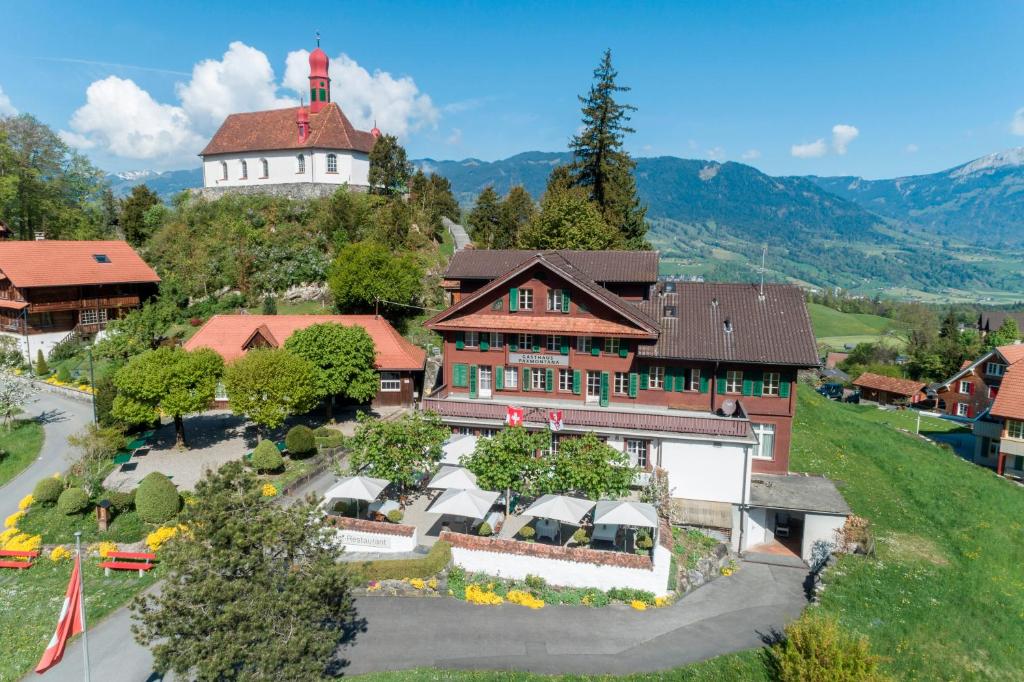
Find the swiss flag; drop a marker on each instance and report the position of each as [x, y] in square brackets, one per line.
[69, 623]
[514, 416]
[555, 420]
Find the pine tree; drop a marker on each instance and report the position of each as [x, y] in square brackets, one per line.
[601, 165]
[484, 220]
[133, 214]
[517, 210]
[389, 166]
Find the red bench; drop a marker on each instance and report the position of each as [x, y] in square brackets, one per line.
[18, 555]
[128, 561]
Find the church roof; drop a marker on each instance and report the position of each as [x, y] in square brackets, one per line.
[276, 129]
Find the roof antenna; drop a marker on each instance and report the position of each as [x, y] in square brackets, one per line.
[318, 38]
[764, 253]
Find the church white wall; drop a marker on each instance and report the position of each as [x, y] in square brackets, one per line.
[353, 168]
[701, 471]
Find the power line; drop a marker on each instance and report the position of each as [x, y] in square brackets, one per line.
[406, 305]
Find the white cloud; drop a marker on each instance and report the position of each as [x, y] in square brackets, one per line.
[911, 148]
[395, 104]
[809, 150]
[842, 136]
[715, 153]
[6, 108]
[121, 118]
[1017, 125]
[751, 154]
[455, 137]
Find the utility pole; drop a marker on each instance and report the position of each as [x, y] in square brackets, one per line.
[92, 384]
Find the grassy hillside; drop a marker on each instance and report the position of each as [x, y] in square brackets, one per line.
[830, 322]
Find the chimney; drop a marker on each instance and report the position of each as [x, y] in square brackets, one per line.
[302, 121]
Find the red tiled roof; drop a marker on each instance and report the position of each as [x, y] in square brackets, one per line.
[50, 263]
[1009, 402]
[601, 266]
[12, 305]
[834, 358]
[583, 326]
[227, 334]
[907, 387]
[597, 418]
[1013, 352]
[277, 129]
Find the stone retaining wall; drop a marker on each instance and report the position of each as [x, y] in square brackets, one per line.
[288, 190]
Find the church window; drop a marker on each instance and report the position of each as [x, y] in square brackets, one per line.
[323, 95]
[332, 163]
[224, 170]
[301, 163]
[265, 168]
[245, 170]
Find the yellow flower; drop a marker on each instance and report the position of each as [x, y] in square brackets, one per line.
[638, 605]
[727, 571]
[477, 595]
[6, 536]
[26, 502]
[662, 601]
[60, 553]
[268, 490]
[157, 538]
[12, 520]
[105, 548]
[523, 598]
[21, 542]
[417, 583]
[432, 583]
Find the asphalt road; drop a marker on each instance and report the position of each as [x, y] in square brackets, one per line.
[60, 417]
[727, 615]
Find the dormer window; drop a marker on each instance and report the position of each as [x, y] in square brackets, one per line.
[669, 311]
[101, 257]
[670, 287]
[727, 325]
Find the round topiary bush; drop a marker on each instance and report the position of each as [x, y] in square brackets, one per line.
[47, 491]
[120, 501]
[265, 457]
[396, 516]
[580, 537]
[72, 501]
[527, 532]
[157, 499]
[300, 441]
[485, 530]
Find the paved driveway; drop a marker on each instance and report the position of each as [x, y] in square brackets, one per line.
[725, 616]
[60, 417]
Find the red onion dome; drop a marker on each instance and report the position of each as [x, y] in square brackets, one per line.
[318, 63]
[375, 132]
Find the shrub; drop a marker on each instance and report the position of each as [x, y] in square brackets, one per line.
[157, 538]
[266, 457]
[439, 556]
[326, 432]
[300, 440]
[485, 530]
[395, 516]
[157, 499]
[42, 368]
[120, 501]
[627, 595]
[580, 537]
[47, 491]
[815, 647]
[72, 501]
[63, 375]
[535, 582]
[527, 532]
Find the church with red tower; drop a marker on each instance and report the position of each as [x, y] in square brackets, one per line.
[299, 151]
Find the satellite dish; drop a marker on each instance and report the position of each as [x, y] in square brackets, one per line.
[729, 408]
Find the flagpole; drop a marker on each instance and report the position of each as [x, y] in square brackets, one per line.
[81, 592]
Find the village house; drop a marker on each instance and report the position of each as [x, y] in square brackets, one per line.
[53, 290]
[695, 379]
[399, 362]
[991, 321]
[1009, 408]
[890, 390]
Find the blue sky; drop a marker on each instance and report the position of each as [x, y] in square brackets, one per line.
[916, 87]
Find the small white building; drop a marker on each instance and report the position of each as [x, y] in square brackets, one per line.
[314, 147]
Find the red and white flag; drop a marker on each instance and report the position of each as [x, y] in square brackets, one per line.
[68, 624]
[514, 416]
[555, 419]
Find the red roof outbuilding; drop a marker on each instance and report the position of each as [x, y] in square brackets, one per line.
[53, 263]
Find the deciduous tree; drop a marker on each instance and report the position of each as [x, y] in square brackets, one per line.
[508, 461]
[366, 272]
[389, 166]
[397, 449]
[15, 394]
[96, 447]
[484, 221]
[590, 468]
[344, 359]
[133, 214]
[568, 220]
[252, 591]
[517, 210]
[268, 385]
[1007, 333]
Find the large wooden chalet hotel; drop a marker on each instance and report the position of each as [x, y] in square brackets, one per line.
[695, 378]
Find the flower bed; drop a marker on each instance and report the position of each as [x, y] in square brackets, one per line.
[430, 566]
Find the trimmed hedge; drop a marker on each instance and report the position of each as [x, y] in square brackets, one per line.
[327, 437]
[47, 491]
[120, 501]
[157, 499]
[436, 560]
[266, 457]
[72, 501]
[300, 441]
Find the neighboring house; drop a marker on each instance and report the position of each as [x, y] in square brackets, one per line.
[696, 379]
[1009, 407]
[890, 390]
[991, 321]
[400, 362]
[53, 290]
[300, 150]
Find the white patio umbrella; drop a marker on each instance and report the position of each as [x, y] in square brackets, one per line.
[473, 503]
[453, 477]
[561, 508]
[626, 513]
[457, 446]
[356, 488]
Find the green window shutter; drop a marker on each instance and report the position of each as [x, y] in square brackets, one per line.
[748, 387]
[783, 388]
[759, 384]
[549, 380]
[536, 346]
[472, 381]
[484, 344]
[682, 377]
[720, 389]
[595, 349]
[704, 384]
[460, 340]
[499, 377]
[513, 347]
[645, 378]
[623, 351]
[565, 300]
[565, 345]
[323, 95]
[459, 378]
[604, 389]
[526, 379]
[670, 376]
[576, 381]
[513, 300]
[634, 380]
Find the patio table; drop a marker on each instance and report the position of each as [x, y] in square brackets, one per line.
[136, 444]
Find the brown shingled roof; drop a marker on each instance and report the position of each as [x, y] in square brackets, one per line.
[907, 387]
[277, 129]
[600, 266]
[50, 263]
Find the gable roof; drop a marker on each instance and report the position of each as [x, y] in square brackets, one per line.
[991, 321]
[907, 387]
[600, 266]
[1010, 353]
[1009, 402]
[276, 129]
[49, 263]
[773, 329]
[229, 334]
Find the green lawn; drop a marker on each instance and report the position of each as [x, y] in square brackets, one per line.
[19, 447]
[30, 601]
[830, 322]
[57, 528]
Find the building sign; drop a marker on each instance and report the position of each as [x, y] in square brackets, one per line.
[538, 359]
[363, 539]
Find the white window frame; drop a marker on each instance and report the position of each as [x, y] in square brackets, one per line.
[332, 163]
[593, 383]
[584, 344]
[771, 383]
[964, 387]
[639, 450]
[554, 300]
[694, 384]
[734, 381]
[962, 409]
[511, 377]
[553, 343]
[265, 168]
[1015, 429]
[995, 369]
[761, 430]
[485, 380]
[92, 316]
[525, 342]
[390, 382]
[526, 299]
[538, 376]
[300, 164]
[656, 376]
[497, 340]
[993, 447]
[612, 344]
[621, 383]
[220, 393]
[565, 380]
[245, 171]
[471, 339]
[223, 170]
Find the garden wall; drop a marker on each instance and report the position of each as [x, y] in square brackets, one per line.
[561, 566]
[360, 535]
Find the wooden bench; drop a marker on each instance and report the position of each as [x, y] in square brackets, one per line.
[128, 561]
[19, 558]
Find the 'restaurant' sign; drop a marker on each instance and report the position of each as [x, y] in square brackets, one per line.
[538, 359]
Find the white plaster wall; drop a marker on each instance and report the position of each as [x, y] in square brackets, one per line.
[757, 528]
[819, 528]
[362, 541]
[568, 573]
[700, 471]
[353, 168]
[45, 341]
